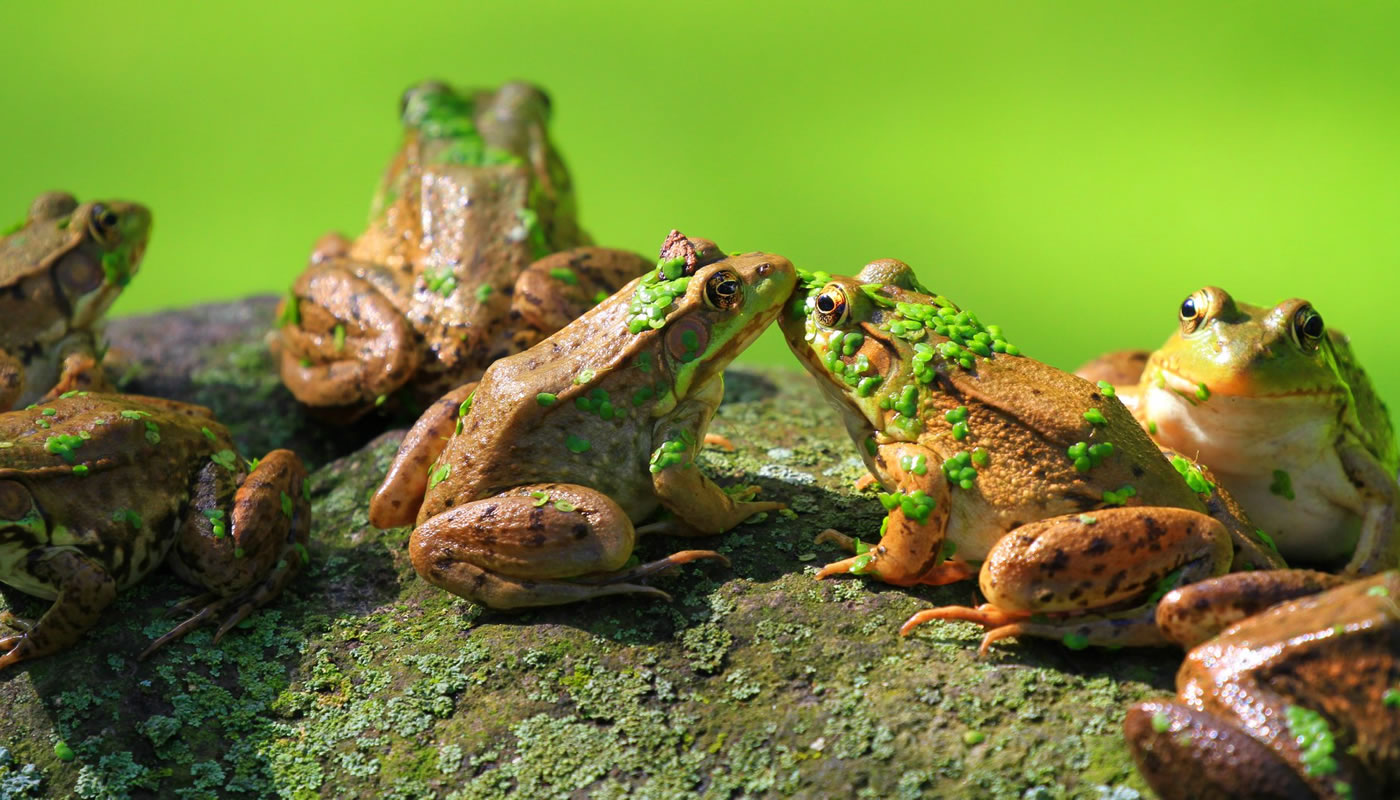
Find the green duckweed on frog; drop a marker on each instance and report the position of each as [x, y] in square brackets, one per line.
[97, 490]
[995, 464]
[525, 487]
[1276, 403]
[60, 270]
[458, 266]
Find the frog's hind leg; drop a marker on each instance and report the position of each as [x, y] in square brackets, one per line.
[243, 543]
[84, 589]
[536, 545]
[397, 500]
[546, 302]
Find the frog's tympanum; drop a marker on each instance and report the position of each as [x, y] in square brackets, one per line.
[993, 461]
[531, 480]
[60, 270]
[455, 269]
[97, 490]
[1274, 402]
[1300, 701]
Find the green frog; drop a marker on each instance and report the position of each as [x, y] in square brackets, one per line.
[97, 490]
[995, 464]
[526, 487]
[60, 270]
[1275, 402]
[458, 266]
[1299, 701]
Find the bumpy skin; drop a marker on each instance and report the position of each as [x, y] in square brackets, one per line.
[97, 490]
[1300, 701]
[451, 273]
[526, 486]
[60, 270]
[975, 446]
[1278, 407]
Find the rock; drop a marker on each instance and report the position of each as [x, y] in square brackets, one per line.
[365, 681]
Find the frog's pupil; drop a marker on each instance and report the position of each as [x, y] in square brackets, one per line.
[825, 304]
[728, 288]
[1312, 325]
[1188, 308]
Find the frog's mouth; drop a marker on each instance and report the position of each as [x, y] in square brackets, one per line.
[1195, 392]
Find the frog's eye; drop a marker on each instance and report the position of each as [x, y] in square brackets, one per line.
[832, 307]
[1308, 329]
[723, 290]
[103, 221]
[14, 500]
[1193, 311]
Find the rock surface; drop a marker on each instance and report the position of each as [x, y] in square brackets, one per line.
[364, 681]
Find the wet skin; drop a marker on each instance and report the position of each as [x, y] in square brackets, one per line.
[60, 270]
[97, 490]
[526, 487]
[994, 464]
[1300, 701]
[1277, 405]
[458, 266]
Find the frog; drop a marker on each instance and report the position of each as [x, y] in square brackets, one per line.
[995, 465]
[60, 270]
[529, 488]
[1275, 401]
[97, 490]
[1300, 700]
[473, 252]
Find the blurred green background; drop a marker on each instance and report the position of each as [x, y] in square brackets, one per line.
[1070, 170]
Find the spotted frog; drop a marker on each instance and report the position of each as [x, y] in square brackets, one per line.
[1299, 701]
[526, 487]
[458, 266]
[60, 270]
[1278, 406]
[995, 464]
[96, 490]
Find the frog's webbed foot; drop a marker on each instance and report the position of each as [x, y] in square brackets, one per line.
[85, 589]
[398, 498]
[13, 622]
[722, 442]
[1185, 754]
[343, 343]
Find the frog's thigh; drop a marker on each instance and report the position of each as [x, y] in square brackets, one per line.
[1186, 754]
[84, 589]
[512, 550]
[397, 500]
[1122, 368]
[1378, 547]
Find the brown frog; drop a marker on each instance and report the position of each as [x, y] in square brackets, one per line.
[97, 490]
[60, 270]
[458, 266]
[1299, 701]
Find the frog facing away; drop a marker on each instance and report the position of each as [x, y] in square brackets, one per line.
[1276, 404]
[1300, 701]
[455, 269]
[60, 270]
[97, 490]
[525, 487]
[995, 464]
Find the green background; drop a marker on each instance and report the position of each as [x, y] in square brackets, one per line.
[1069, 170]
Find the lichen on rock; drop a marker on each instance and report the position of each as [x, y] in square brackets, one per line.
[363, 680]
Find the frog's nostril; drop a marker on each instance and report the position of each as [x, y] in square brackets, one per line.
[764, 269]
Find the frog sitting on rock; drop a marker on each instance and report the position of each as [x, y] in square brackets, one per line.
[996, 464]
[525, 487]
[455, 269]
[60, 270]
[97, 490]
[1276, 403]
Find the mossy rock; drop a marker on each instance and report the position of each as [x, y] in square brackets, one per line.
[364, 681]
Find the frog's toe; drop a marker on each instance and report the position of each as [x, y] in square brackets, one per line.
[722, 442]
[14, 649]
[842, 567]
[986, 615]
[205, 614]
[655, 567]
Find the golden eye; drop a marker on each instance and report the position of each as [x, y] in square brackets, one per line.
[723, 290]
[1193, 311]
[1308, 329]
[831, 306]
[103, 223]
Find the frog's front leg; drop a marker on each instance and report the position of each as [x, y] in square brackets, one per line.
[11, 380]
[1378, 546]
[912, 547]
[243, 543]
[343, 343]
[697, 502]
[1186, 754]
[81, 370]
[535, 545]
[1091, 578]
[84, 589]
[398, 498]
